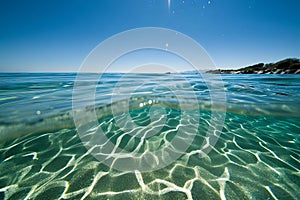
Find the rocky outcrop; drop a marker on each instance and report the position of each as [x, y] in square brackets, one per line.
[287, 66]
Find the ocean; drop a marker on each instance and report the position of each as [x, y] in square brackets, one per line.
[149, 136]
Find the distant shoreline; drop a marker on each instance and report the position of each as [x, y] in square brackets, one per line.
[287, 66]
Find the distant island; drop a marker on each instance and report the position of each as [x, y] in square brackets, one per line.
[287, 66]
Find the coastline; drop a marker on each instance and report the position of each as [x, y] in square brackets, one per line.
[286, 66]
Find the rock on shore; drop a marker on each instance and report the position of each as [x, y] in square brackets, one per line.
[287, 66]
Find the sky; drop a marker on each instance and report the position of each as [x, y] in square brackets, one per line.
[56, 36]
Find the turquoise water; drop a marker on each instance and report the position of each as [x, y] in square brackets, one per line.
[255, 157]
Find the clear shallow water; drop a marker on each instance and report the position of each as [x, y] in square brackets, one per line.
[255, 157]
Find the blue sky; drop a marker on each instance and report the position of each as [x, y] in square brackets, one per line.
[44, 36]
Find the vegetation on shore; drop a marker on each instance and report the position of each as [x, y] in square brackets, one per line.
[287, 66]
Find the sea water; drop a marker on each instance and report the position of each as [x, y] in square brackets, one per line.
[256, 154]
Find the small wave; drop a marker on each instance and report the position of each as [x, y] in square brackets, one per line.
[10, 130]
